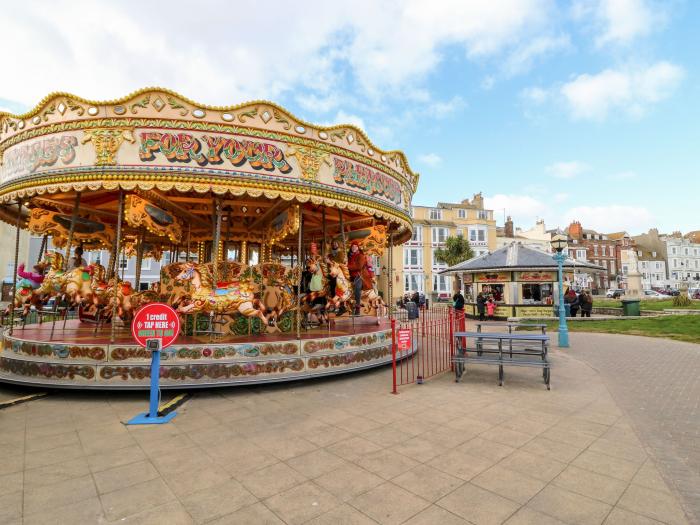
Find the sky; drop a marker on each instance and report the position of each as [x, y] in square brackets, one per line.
[583, 110]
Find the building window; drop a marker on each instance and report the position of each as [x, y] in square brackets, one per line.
[412, 257]
[658, 265]
[673, 251]
[460, 232]
[595, 250]
[413, 282]
[686, 251]
[439, 235]
[581, 254]
[537, 293]
[437, 264]
[435, 214]
[417, 234]
[462, 213]
[483, 214]
[441, 283]
[146, 263]
[612, 267]
[602, 251]
[123, 262]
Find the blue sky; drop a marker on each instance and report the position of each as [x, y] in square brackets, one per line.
[584, 110]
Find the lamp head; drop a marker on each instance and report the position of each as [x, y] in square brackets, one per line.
[559, 242]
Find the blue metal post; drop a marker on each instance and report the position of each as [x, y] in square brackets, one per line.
[155, 380]
[563, 329]
[151, 417]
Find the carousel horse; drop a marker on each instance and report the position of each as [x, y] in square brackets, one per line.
[77, 284]
[277, 290]
[235, 296]
[338, 301]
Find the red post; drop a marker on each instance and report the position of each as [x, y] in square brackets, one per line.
[393, 355]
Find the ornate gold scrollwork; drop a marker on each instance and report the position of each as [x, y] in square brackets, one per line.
[106, 142]
[310, 160]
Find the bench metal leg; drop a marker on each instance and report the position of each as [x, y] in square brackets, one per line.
[500, 375]
[546, 374]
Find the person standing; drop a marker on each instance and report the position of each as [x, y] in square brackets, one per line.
[481, 305]
[458, 302]
[491, 308]
[572, 300]
[586, 302]
[359, 274]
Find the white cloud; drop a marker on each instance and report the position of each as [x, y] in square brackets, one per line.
[566, 170]
[371, 49]
[611, 218]
[561, 197]
[523, 58]
[535, 95]
[431, 159]
[442, 109]
[628, 91]
[620, 22]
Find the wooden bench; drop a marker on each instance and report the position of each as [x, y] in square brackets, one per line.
[502, 349]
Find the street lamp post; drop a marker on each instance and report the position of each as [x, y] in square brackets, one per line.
[559, 242]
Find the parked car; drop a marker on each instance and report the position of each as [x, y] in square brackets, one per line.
[614, 293]
[694, 293]
[653, 294]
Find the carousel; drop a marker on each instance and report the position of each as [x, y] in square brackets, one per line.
[268, 230]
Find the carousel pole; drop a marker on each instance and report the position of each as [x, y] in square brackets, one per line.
[342, 233]
[117, 242]
[299, 241]
[139, 258]
[324, 250]
[42, 248]
[216, 240]
[73, 220]
[14, 273]
[187, 255]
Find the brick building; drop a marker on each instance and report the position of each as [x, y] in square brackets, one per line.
[599, 249]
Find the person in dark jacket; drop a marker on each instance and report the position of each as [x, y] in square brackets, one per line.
[572, 300]
[481, 306]
[458, 301]
[586, 302]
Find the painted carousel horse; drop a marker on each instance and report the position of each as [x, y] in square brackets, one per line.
[235, 296]
[338, 301]
[77, 284]
[277, 290]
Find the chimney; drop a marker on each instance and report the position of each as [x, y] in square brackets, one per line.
[509, 228]
[478, 201]
[575, 230]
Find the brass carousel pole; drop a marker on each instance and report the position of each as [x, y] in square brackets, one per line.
[324, 250]
[216, 241]
[73, 220]
[189, 232]
[117, 242]
[342, 234]
[14, 273]
[139, 258]
[42, 248]
[301, 273]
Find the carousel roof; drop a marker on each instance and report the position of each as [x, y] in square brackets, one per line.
[517, 257]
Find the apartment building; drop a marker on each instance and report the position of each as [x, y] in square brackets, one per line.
[415, 265]
[537, 237]
[596, 248]
[683, 259]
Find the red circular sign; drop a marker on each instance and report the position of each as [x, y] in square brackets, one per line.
[155, 321]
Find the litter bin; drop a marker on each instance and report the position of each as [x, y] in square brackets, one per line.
[567, 310]
[630, 308]
[412, 310]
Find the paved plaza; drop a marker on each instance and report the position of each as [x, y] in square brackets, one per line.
[345, 451]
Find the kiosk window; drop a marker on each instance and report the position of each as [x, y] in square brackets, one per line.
[494, 289]
[537, 292]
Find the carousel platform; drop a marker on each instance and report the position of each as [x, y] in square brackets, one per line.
[78, 356]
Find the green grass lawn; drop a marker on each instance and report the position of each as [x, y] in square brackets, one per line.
[647, 304]
[678, 327]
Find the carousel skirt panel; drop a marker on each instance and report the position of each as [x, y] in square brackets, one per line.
[76, 357]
